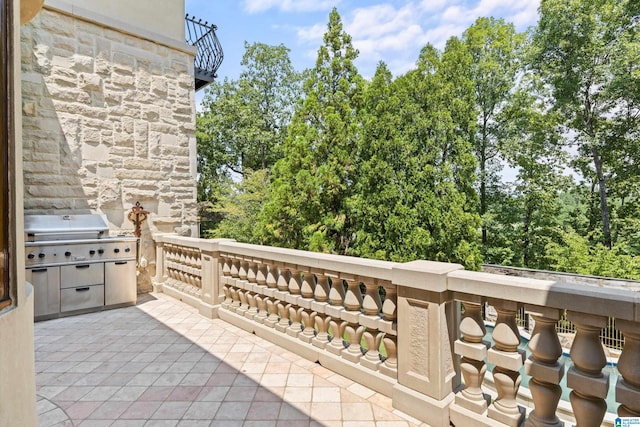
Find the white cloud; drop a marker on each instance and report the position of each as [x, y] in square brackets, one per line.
[256, 6]
[396, 34]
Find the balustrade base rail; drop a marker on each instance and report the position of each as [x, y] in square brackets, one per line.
[415, 331]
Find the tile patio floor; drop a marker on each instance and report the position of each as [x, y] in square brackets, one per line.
[162, 364]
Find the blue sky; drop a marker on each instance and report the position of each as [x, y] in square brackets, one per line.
[389, 31]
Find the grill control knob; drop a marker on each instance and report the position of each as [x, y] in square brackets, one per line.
[116, 250]
[41, 255]
[100, 251]
[127, 249]
[31, 256]
[92, 252]
[67, 253]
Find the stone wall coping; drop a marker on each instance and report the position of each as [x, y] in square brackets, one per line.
[309, 260]
[618, 303]
[102, 20]
[441, 277]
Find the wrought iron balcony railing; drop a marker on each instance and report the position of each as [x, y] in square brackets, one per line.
[210, 54]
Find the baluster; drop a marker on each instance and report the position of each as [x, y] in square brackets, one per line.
[321, 340]
[336, 293]
[226, 266]
[235, 267]
[353, 296]
[590, 385]
[321, 290]
[308, 285]
[235, 298]
[251, 272]
[628, 386]
[272, 308]
[371, 303]
[353, 352]
[226, 303]
[261, 274]
[390, 305]
[295, 280]
[295, 315]
[272, 277]
[252, 305]
[244, 302]
[473, 352]
[390, 365]
[283, 312]
[373, 339]
[544, 368]
[308, 318]
[243, 269]
[508, 361]
[261, 302]
[283, 280]
[337, 327]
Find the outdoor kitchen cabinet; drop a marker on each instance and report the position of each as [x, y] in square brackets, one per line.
[46, 285]
[118, 286]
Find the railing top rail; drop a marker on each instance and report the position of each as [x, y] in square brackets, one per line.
[438, 277]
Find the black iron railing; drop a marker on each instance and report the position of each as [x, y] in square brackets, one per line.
[210, 55]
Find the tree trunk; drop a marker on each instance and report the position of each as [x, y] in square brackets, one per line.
[604, 209]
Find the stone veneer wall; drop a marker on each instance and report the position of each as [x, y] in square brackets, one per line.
[108, 120]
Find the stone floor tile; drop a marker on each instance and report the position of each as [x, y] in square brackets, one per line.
[81, 410]
[300, 380]
[194, 423]
[352, 411]
[201, 411]
[392, 424]
[128, 423]
[140, 410]
[240, 394]
[358, 424]
[273, 380]
[223, 379]
[95, 423]
[232, 411]
[289, 411]
[298, 394]
[128, 393]
[213, 394]
[100, 393]
[360, 390]
[326, 394]
[196, 379]
[184, 393]
[265, 411]
[326, 411]
[161, 423]
[156, 393]
[171, 410]
[109, 410]
[169, 379]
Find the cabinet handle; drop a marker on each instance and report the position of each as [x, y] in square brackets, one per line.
[39, 270]
[83, 266]
[121, 262]
[82, 289]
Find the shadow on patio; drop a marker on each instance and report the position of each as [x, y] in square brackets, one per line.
[162, 364]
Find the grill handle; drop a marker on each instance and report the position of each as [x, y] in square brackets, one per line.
[39, 270]
[86, 288]
[83, 266]
[121, 262]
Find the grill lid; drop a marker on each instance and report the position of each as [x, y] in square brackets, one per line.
[64, 227]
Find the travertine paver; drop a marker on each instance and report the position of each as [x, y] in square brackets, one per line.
[162, 364]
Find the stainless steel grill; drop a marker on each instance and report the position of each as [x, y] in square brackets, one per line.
[75, 266]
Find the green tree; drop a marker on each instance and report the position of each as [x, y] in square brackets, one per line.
[582, 48]
[495, 49]
[243, 124]
[313, 181]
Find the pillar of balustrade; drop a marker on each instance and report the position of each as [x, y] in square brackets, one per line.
[321, 340]
[295, 282]
[307, 288]
[425, 333]
[471, 403]
[590, 385]
[628, 385]
[161, 273]
[353, 352]
[508, 360]
[544, 368]
[336, 298]
[235, 267]
[235, 298]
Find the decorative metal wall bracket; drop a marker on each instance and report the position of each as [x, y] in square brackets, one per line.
[137, 216]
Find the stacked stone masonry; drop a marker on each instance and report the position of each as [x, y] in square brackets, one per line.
[108, 120]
